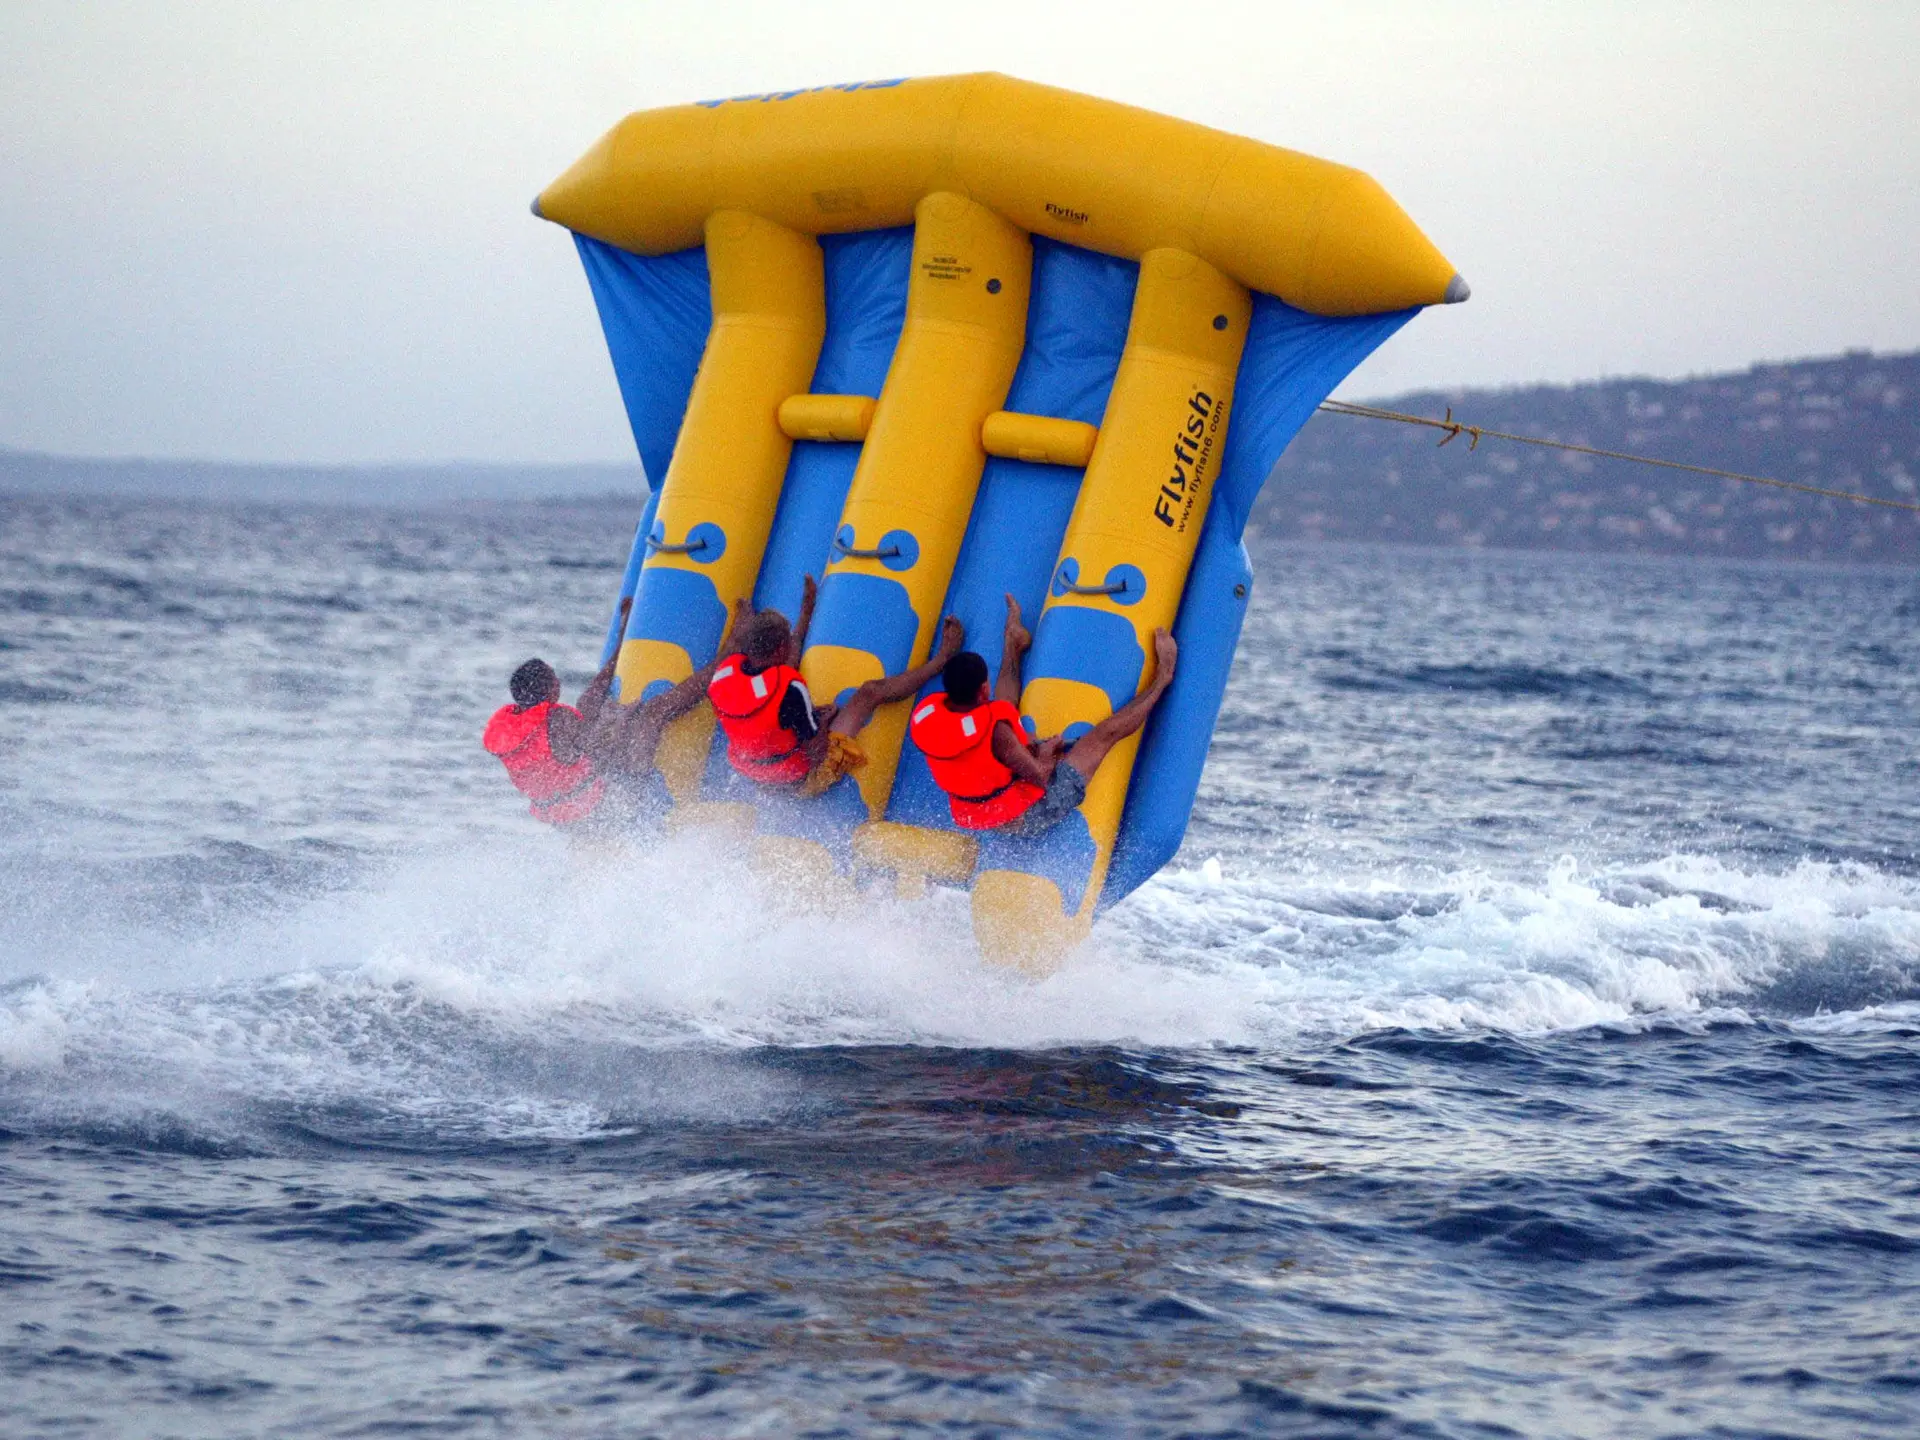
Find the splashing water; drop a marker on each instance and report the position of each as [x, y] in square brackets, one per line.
[390, 993]
[1524, 1042]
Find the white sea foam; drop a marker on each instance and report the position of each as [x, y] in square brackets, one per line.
[33, 1025]
[516, 995]
[683, 946]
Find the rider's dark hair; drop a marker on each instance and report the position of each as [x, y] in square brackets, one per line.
[762, 637]
[532, 682]
[963, 677]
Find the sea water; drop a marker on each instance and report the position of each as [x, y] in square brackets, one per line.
[1526, 1042]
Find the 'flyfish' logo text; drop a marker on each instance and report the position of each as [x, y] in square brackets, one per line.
[1192, 450]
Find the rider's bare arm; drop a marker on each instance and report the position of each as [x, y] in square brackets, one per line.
[567, 735]
[1033, 764]
[683, 697]
[595, 695]
[689, 692]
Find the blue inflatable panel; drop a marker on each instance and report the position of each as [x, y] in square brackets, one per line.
[656, 313]
[1292, 362]
[1166, 776]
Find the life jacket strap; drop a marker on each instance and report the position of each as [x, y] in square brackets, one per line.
[553, 801]
[990, 795]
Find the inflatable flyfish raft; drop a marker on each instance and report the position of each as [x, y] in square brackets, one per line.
[937, 340]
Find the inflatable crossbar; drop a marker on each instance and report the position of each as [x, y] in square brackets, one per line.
[935, 341]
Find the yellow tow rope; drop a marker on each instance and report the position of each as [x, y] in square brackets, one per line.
[1456, 428]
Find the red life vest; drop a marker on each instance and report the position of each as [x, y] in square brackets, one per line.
[558, 794]
[981, 792]
[758, 745]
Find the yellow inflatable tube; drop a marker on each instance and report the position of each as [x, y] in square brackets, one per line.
[907, 510]
[1123, 566]
[719, 494]
[1089, 172]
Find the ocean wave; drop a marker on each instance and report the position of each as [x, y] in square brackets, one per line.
[456, 994]
[1516, 681]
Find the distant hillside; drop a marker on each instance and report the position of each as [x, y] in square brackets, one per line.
[24, 472]
[1851, 423]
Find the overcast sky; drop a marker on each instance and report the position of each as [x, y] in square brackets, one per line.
[291, 231]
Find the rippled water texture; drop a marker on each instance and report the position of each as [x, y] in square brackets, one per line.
[1526, 1042]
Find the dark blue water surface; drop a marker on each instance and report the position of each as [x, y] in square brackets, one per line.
[1527, 1041]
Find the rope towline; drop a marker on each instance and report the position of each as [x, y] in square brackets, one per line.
[1456, 428]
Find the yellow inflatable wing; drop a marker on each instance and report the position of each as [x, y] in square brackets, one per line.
[935, 341]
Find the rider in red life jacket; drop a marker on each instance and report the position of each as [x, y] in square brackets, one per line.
[775, 734]
[568, 761]
[995, 778]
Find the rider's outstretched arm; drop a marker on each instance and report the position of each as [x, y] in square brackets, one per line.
[692, 690]
[598, 688]
[852, 717]
[909, 683]
[630, 737]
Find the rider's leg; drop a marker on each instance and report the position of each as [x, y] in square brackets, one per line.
[1013, 647]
